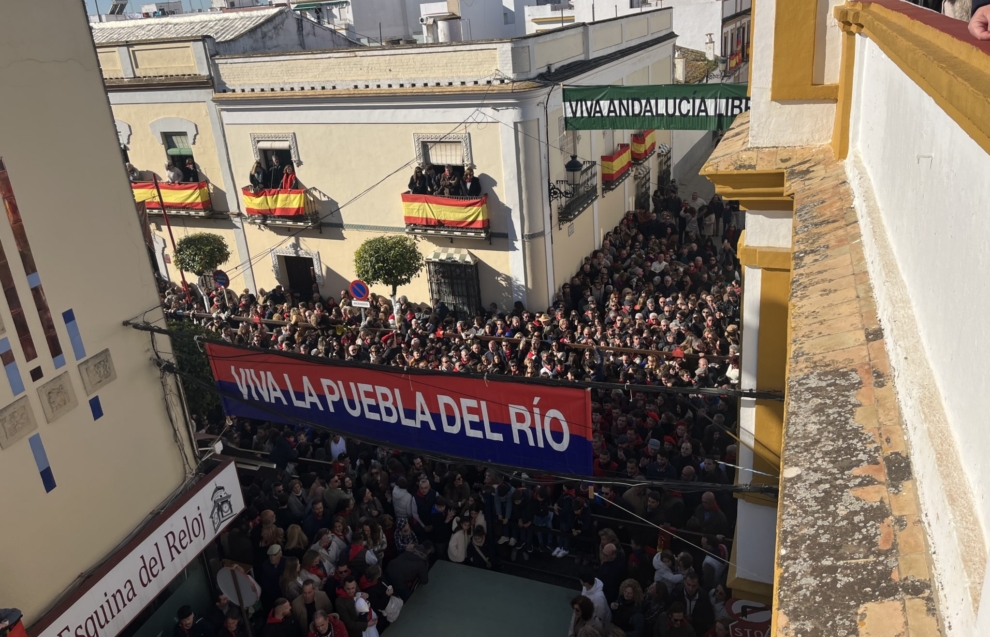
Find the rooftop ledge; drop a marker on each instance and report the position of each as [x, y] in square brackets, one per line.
[852, 557]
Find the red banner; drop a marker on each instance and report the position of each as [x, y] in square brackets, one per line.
[538, 427]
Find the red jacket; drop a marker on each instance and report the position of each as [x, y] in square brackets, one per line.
[337, 628]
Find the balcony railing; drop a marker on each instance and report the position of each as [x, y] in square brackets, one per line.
[191, 199]
[615, 168]
[279, 206]
[456, 216]
[583, 194]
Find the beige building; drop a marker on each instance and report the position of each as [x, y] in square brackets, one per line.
[354, 122]
[90, 442]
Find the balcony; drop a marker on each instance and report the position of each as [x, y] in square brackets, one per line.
[280, 207]
[615, 168]
[460, 217]
[188, 199]
[644, 145]
[581, 196]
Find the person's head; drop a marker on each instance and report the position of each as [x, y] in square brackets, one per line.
[186, 617]
[677, 615]
[318, 508]
[350, 586]
[583, 607]
[424, 486]
[587, 578]
[691, 583]
[631, 591]
[275, 160]
[281, 608]
[708, 501]
[343, 571]
[190, 163]
[609, 552]
[668, 558]
[231, 619]
[275, 554]
[321, 621]
[308, 591]
[220, 600]
[722, 627]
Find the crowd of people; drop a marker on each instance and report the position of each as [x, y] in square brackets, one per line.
[656, 310]
[426, 180]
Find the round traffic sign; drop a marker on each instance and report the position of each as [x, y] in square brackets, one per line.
[220, 278]
[359, 290]
[249, 590]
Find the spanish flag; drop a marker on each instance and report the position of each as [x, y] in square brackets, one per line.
[192, 196]
[275, 202]
[451, 212]
[616, 164]
[643, 144]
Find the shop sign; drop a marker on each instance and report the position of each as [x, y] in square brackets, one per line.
[139, 572]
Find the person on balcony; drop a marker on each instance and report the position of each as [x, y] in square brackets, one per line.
[257, 177]
[450, 183]
[471, 186]
[190, 174]
[289, 180]
[275, 173]
[132, 173]
[173, 174]
[419, 184]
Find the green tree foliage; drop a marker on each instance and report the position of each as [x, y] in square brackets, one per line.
[190, 359]
[201, 253]
[392, 260]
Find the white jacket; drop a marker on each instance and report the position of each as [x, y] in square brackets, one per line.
[457, 549]
[404, 504]
[597, 597]
[669, 578]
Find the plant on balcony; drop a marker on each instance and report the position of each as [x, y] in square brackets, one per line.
[201, 253]
[392, 260]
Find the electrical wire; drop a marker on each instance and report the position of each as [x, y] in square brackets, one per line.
[688, 542]
[257, 258]
[279, 416]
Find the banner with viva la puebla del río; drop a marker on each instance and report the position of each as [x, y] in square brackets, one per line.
[659, 107]
[517, 424]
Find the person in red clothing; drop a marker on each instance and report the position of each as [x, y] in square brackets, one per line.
[289, 178]
[280, 622]
[325, 625]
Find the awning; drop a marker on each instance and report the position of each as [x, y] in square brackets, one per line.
[181, 152]
[451, 255]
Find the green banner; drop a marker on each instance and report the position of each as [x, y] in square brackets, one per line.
[660, 107]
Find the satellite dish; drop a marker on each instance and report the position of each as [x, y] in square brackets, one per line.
[238, 586]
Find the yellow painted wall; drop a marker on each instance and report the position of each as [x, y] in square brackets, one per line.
[110, 62]
[60, 148]
[324, 70]
[553, 51]
[605, 35]
[147, 152]
[342, 176]
[172, 58]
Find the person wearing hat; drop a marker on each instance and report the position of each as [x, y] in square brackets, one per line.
[270, 574]
[188, 626]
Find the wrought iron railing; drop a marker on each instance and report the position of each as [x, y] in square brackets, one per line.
[583, 194]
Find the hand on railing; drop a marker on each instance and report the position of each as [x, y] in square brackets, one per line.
[979, 24]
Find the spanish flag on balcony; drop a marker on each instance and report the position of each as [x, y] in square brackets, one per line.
[452, 212]
[192, 196]
[643, 144]
[616, 164]
[275, 202]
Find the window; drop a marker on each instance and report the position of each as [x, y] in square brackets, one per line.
[179, 152]
[508, 17]
[442, 153]
[454, 280]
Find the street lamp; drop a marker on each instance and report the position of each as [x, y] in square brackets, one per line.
[573, 168]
